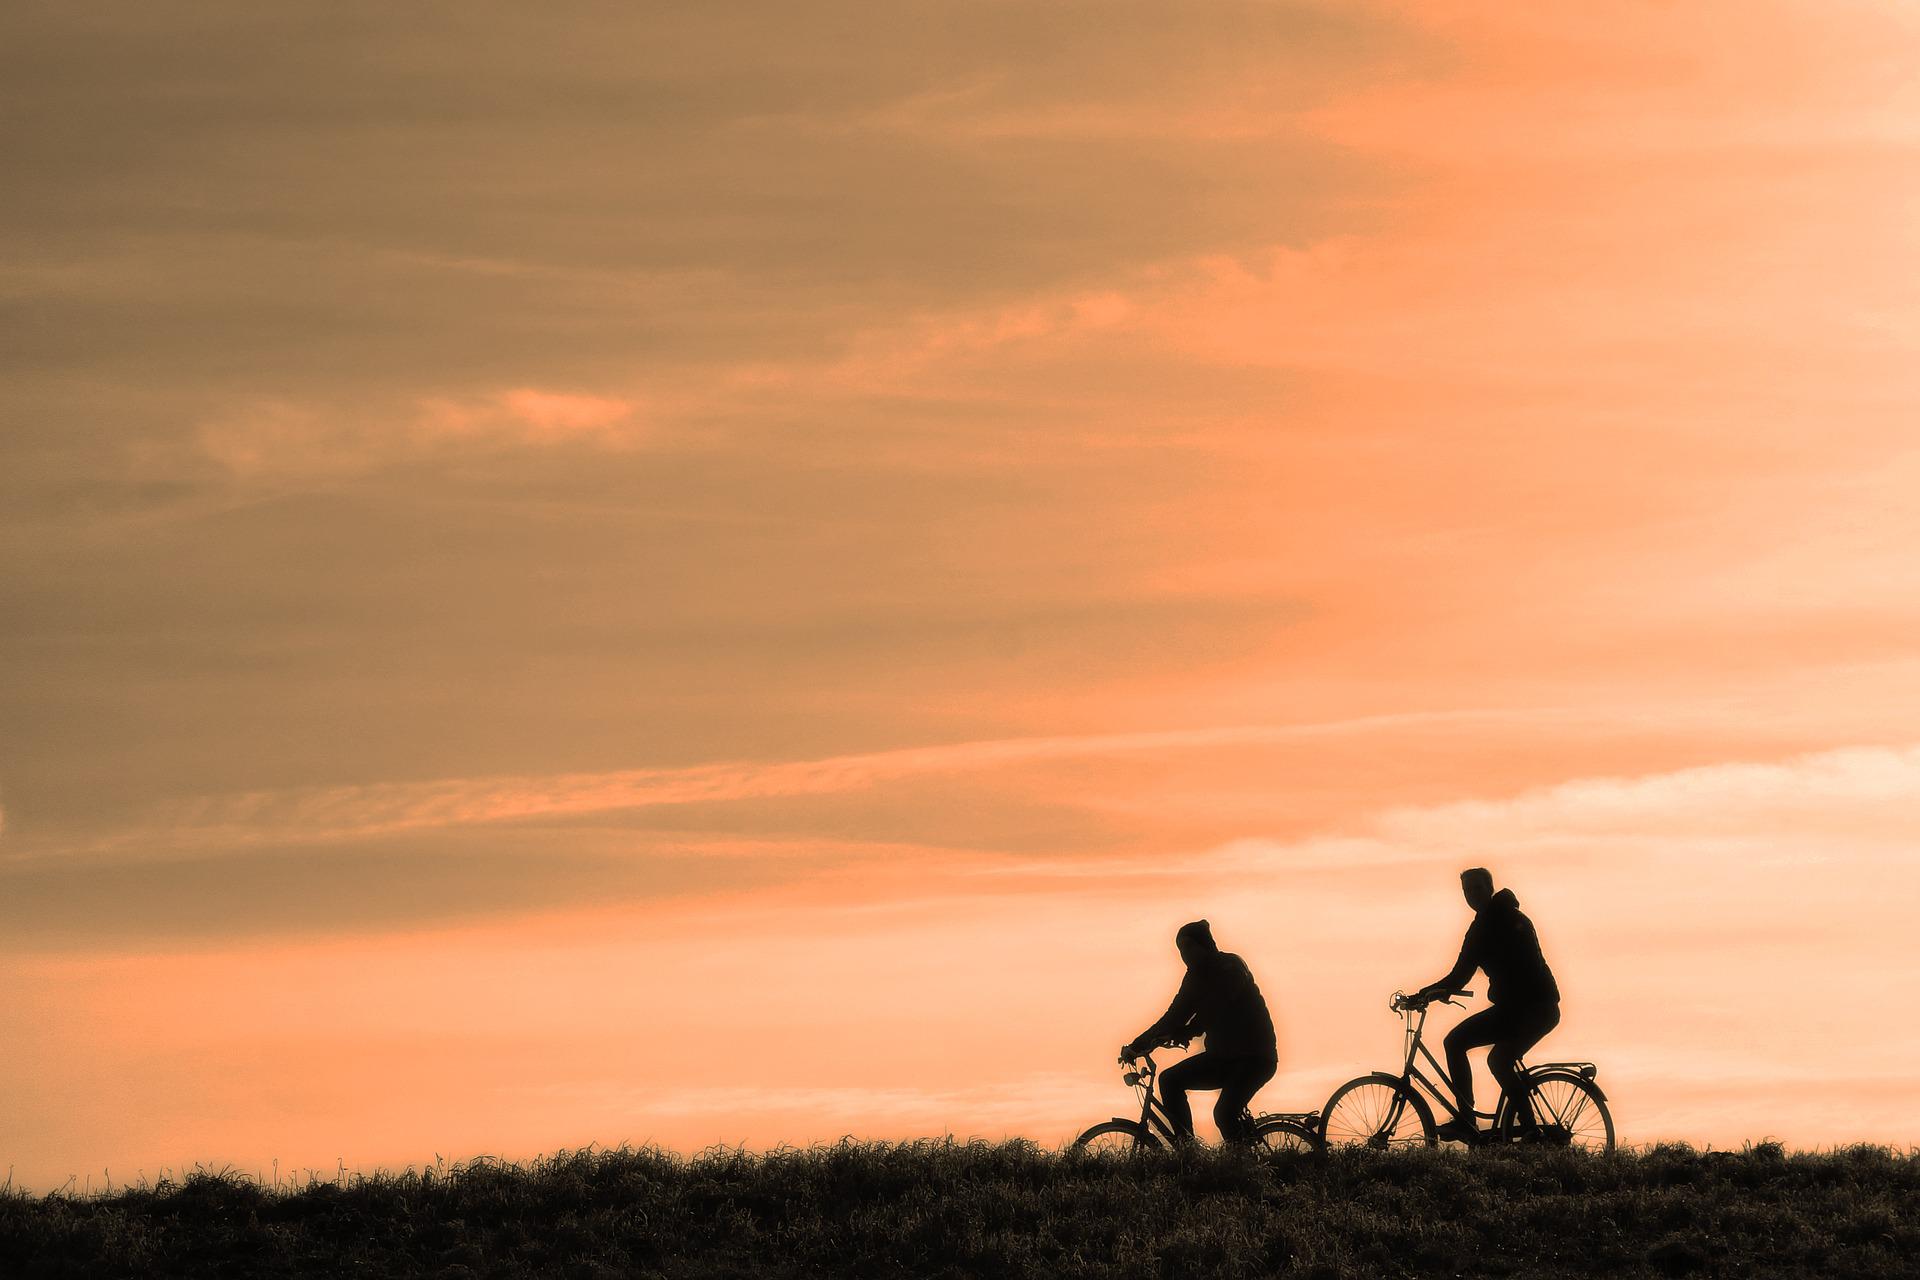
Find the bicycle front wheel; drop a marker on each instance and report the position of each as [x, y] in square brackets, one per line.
[1284, 1135]
[1568, 1111]
[1377, 1112]
[1116, 1136]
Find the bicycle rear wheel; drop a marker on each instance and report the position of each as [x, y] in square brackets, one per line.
[1116, 1136]
[1568, 1111]
[1378, 1112]
[1284, 1135]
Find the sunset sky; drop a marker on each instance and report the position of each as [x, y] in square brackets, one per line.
[730, 572]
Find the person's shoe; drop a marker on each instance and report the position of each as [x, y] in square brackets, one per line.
[1459, 1129]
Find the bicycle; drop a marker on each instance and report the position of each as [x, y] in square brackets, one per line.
[1386, 1111]
[1153, 1131]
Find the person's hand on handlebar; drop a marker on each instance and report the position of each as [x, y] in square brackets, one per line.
[1135, 1049]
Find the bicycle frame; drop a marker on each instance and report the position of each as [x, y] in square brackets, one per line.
[1411, 1074]
[1442, 1091]
[1155, 1120]
[1423, 1087]
[1153, 1116]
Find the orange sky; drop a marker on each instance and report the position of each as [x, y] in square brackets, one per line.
[731, 576]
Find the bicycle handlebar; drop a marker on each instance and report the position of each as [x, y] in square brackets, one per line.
[1141, 1070]
[1401, 1002]
[1147, 1056]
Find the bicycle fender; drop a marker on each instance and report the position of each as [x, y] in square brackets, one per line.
[1538, 1076]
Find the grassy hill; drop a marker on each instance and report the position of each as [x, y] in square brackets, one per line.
[952, 1209]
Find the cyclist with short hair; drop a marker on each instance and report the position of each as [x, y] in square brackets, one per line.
[1218, 999]
[1523, 997]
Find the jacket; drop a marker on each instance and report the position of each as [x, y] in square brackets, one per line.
[1502, 942]
[1220, 1000]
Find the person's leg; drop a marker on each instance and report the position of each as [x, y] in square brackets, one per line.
[1201, 1071]
[1526, 1028]
[1484, 1027]
[1236, 1091]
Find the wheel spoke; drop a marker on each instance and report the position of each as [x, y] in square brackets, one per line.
[1372, 1113]
[1283, 1137]
[1566, 1112]
[1111, 1138]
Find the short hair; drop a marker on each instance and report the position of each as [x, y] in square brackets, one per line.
[1480, 874]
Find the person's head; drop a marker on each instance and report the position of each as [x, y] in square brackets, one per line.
[1195, 940]
[1477, 884]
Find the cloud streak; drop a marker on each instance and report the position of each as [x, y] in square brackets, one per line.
[345, 814]
[288, 440]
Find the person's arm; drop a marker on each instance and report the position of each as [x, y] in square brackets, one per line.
[1170, 1024]
[1462, 968]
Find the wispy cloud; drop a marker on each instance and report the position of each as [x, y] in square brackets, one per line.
[292, 440]
[1839, 806]
[344, 814]
[1856, 792]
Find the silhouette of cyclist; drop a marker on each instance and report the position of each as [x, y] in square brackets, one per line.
[1218, 999]
[1524, 1000]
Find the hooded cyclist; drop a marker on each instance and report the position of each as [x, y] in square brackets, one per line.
[1523, 997]
[1218, 999]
